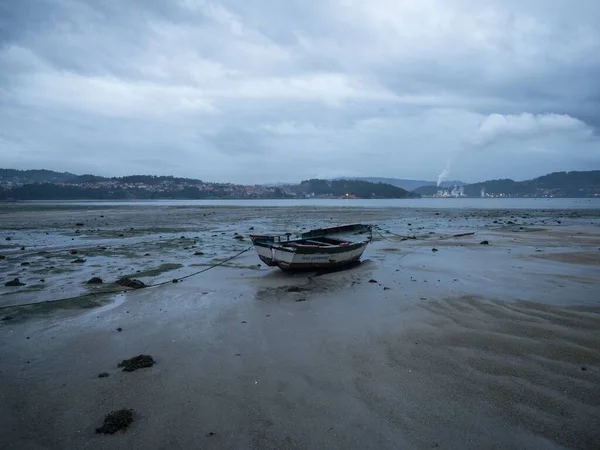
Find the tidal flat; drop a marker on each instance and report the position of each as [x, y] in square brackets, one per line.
[469, 346]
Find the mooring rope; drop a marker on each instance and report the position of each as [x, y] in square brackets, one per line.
[121, 291]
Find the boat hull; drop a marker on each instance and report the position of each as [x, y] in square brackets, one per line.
[274, 252]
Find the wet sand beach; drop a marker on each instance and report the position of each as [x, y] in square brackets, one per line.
[469, 346]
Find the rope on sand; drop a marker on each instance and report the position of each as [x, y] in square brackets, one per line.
[121, 291]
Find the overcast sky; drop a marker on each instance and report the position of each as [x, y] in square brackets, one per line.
[284, 90]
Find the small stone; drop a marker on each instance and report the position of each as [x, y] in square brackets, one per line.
[73, 252]
[13, 283]
[175, 280]
[243, 321]
[25, 263]
[137, 362]
[95, 280]
[198, 253]
[42, 280]
[121, 235]
[484, 243]
[103, 375]
[211, 434]
[8, 239]
[78, 261]
[79, 224]
[2, 257]
[6, 318]
[22, 248]
[115, 421]
[147, 254]
[128, 282]
[386, 288]
[301, 299]
[372, 281]
[119, 329]
[434, 249]
[583, 368]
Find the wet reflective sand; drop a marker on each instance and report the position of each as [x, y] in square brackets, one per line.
[471, 346]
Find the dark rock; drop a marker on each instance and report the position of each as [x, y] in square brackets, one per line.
[73, 252]
[583, 368]
[42, 280]
[147, 254]
[116, 421]
[78, 261]
[103, 375]
[211, 434]
[198, 253]
[15, 282]
[239, 237]
[77, 232]
[79, 224]
[301, 299]
[22, 248]
[182, 237]
[95, 280]
[251, 228]
[137, 362]
[495, 221]
[386, 288]
[410, 224]
[119, 329]
[128, 282]
[175, 280]
[372, 281]
[434, 250]
[2, 257]
[8, 239]
[295, 289]
[484, 243]
[6, 318]
[25, 263]
[510, 222]
[243, 321]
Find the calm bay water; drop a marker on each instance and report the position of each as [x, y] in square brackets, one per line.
[437, 203]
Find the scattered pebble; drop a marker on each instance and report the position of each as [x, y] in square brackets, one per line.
[73, 252]
[25, 263]
[13, 283]
[484, 243]
[372, 281]
[119, 329]
[103, 375]
[301, 299]
[137, 362]
[128, 282]
[583, 368]
[434, 249]
[6, 318]
[95, 280]
[115, 421]
[79, 224]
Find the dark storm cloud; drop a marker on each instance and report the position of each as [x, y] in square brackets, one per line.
[387, 87]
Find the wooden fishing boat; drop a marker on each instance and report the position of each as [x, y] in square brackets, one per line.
[316, 249]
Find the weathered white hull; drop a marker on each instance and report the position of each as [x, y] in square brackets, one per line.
[297, 261]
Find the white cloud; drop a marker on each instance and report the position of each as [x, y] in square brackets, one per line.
[527, 125]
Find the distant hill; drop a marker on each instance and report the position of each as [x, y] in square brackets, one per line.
[359, 189]
[557, 184]
[409, 185]
[49, 185]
